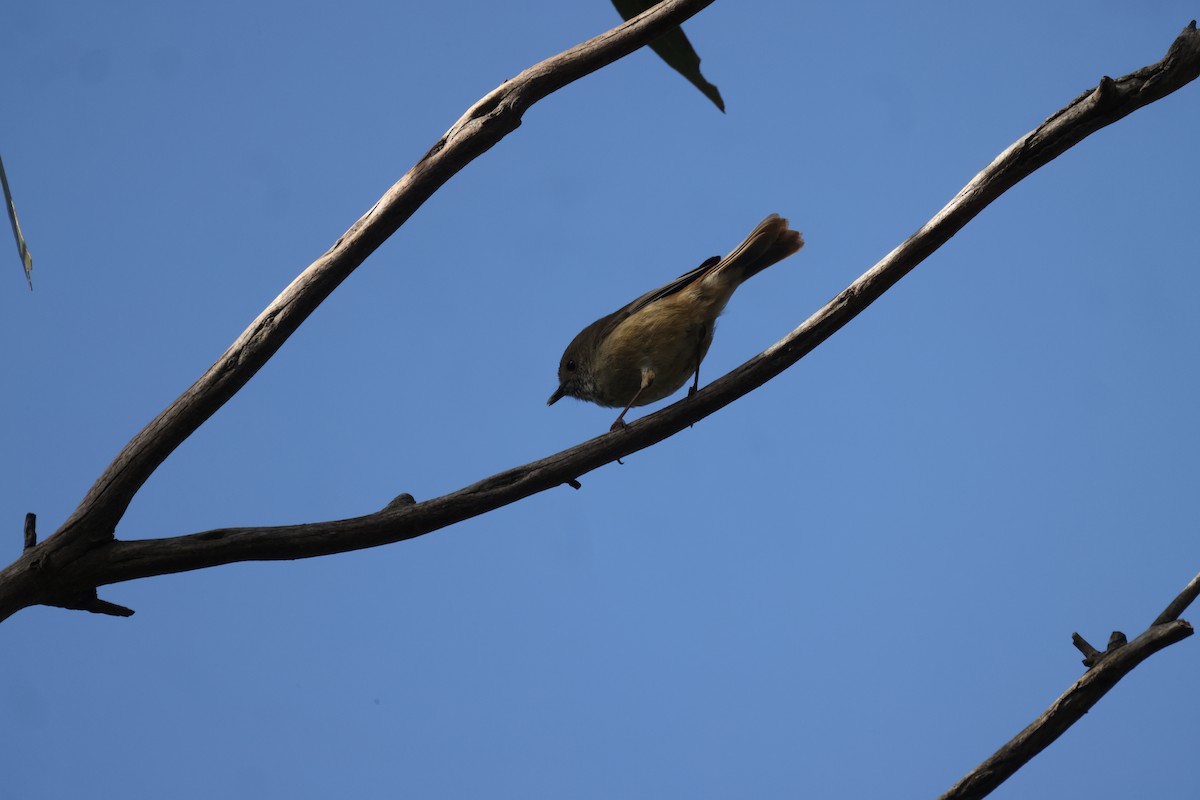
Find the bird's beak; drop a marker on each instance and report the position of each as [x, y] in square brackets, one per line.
[558, 395]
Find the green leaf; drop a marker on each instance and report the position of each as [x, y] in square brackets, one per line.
[22, 248]
[675, 49]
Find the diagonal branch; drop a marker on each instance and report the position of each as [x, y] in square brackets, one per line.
[1180, 603]
[95, 558]
[1068, 709]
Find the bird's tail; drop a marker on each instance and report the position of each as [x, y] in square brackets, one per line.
[769, 243]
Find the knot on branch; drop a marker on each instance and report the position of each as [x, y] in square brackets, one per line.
[400, 501]
[88, 601]
[1092, 656]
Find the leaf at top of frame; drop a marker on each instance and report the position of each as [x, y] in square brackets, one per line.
[674, 48]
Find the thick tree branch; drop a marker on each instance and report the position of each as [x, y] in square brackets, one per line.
[1103, 674]
[484, 124]
[93, 557]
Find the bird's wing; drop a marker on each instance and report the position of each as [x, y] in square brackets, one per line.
[671, 288]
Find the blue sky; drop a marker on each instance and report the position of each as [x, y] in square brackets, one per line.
[855, 582]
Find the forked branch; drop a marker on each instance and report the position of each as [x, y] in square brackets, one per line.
[1108, 668]
[51, 573]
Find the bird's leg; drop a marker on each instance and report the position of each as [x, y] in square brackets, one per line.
[695, 387]
[647, 379]
[696, 383]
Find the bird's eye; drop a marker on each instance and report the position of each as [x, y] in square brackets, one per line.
[570, 365]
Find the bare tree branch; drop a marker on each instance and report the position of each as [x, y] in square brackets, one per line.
[496, 115]
[1108, 669]
[84, 553]
[1180, 603]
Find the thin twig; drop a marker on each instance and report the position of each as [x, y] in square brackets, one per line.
[30, 530]
[88, 601]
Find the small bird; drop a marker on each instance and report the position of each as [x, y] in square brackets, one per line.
[647, 350]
